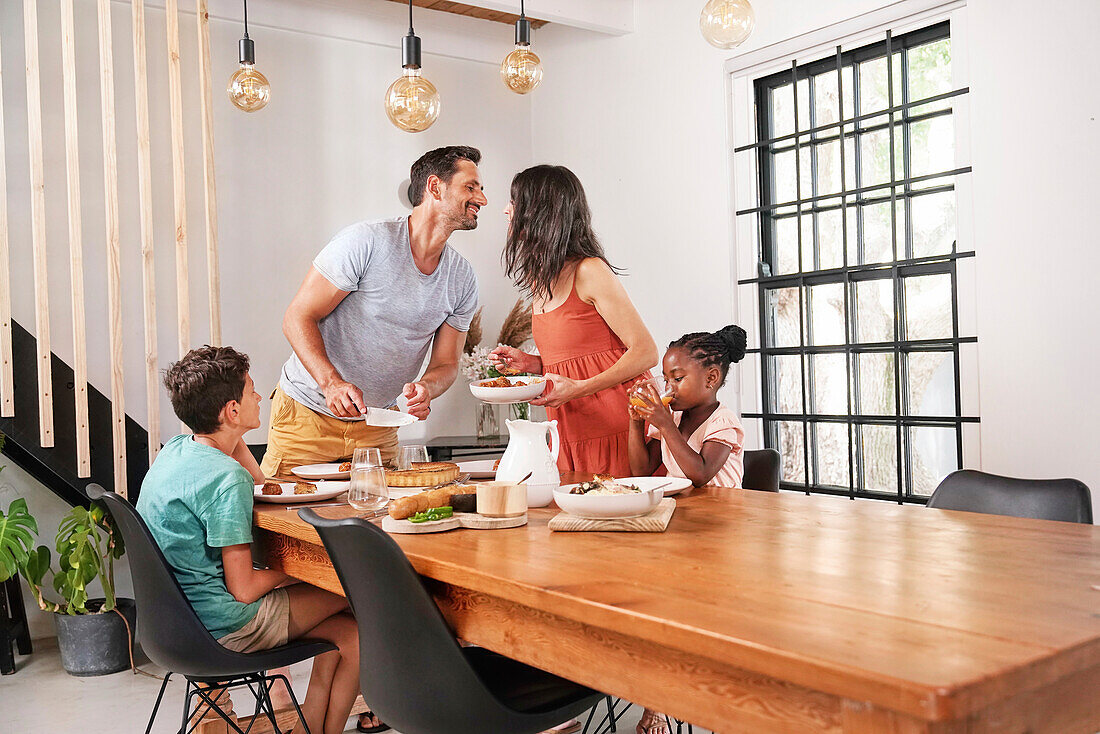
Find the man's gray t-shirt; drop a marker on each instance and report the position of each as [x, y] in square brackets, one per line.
[378, 336]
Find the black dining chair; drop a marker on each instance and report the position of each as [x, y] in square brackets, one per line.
[174, 638]
[417, 677]
[1045, 499]
[762, 470]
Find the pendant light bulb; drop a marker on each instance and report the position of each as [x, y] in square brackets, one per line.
[521, 70]
[726, 23]
[412, 102]
[248, 89]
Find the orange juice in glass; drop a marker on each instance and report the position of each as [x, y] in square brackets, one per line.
[636, 393]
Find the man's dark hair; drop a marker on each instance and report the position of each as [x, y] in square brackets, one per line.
[442, 162]
[202, 382]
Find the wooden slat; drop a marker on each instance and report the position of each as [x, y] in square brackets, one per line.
[179, 181]
[76, 244]
[38, 226]
[213, 275]
[145, 206]
[472, 11]
[114, 271]
[7, 387]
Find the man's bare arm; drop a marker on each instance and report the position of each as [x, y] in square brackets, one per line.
[316, 299]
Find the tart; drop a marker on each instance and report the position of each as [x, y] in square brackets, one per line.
[304, 488]
[271, 488]
[346, 466]
[426, 474]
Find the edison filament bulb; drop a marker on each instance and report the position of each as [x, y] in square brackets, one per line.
[521, 70]
[248, 89]
[412, 102]
[726, 23]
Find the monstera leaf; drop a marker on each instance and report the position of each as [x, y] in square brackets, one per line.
[17, 530]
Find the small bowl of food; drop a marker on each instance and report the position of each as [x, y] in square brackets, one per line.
[606, 498]
[505, 390]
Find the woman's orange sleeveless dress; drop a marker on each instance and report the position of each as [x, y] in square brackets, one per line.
[574, 341]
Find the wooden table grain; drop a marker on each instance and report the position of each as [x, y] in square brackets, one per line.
[763, 612]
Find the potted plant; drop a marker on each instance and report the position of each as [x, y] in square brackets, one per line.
[93, 635]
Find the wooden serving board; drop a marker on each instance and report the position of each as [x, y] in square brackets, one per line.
[656, 521]
[470, 520]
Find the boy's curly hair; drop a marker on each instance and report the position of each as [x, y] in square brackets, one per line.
[202, 382]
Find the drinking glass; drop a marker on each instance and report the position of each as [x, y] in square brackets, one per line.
[657, 383]
[368, 490]
[411, 454]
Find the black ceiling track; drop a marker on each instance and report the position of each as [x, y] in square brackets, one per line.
[56, 467]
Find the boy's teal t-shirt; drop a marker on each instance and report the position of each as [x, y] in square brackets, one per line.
[196, 500]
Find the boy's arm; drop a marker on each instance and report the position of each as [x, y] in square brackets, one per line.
[245, 583]
[245, 458]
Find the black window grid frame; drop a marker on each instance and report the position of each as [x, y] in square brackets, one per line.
[897, 114]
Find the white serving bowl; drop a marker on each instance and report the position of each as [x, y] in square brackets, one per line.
[522, 391]
[608, 506]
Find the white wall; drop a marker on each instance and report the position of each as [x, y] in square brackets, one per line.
[641, 120]
[320, 156]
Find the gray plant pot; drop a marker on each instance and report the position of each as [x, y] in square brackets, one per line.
[96, 644]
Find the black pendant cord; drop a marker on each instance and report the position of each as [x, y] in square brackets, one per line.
[246, 18]
[522, 16]
[411, 18]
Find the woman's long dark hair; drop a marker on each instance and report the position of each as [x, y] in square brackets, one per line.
[551, 227]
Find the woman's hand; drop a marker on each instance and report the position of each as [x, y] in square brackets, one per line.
[509, 359]
[562, 390]
[653, 408]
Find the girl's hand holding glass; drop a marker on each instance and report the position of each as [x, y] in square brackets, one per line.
[650, 404]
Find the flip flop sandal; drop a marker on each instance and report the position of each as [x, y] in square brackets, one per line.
[382, 726]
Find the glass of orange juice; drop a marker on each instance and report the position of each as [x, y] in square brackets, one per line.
[639, 388]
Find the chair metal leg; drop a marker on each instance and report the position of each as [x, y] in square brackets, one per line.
[293, 700]
[264, 700]
[213, 706]
[186, 708]
[156, 706]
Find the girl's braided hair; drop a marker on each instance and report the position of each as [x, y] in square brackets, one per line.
[715, 349]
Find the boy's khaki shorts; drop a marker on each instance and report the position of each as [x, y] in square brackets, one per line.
[298, 436]
[269, 628]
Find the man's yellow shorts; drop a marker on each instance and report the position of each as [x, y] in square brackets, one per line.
[299, 435]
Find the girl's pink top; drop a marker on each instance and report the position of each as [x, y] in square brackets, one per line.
[723, 426]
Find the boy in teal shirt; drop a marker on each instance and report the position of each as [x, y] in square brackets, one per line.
[197, 501]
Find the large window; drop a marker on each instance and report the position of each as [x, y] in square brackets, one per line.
[859, 357]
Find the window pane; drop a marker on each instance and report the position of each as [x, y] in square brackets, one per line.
[805, 172]
[808, 263]
[793, 449]
[783, 317]
[876, 384]
[933, 224]
[880, 458]
[928, 307]
[932, 146]
[874, 151]
[878, 247]
[804, 104]
[786, 384]
[830, 243]
[826, 102]
[930, 74]
[830, 384]
[785, 256]
[827, 314]
[934, 455]
[872, 86]
[931, 386]
[874, 311]
[828, 168]
[783, 177]
[848, 91]
[831, 450]
[782, 111]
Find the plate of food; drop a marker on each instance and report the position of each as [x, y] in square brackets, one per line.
[293, 492]
[606, 498]
[318, 472]
[505, 390]
[423, 475]
[479, 469]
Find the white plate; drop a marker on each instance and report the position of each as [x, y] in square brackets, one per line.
[522, 391]
[386, 418]
[480, 469]
[676, 484]
[325, 491]
[315, 472]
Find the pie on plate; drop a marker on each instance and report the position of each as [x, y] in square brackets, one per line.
[423, 474]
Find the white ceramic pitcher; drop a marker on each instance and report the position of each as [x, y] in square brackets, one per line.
[528, 451]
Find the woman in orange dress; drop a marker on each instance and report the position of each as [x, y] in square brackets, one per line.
[592, 343]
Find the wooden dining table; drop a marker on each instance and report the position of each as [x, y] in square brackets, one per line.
[778, 612]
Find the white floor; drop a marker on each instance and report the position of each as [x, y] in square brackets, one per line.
[41, 698]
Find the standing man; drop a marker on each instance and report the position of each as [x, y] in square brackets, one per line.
[377, 297]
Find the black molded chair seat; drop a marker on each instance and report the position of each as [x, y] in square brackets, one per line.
[417, 677]
[968, 490]
[168, 628]
[762, 470]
